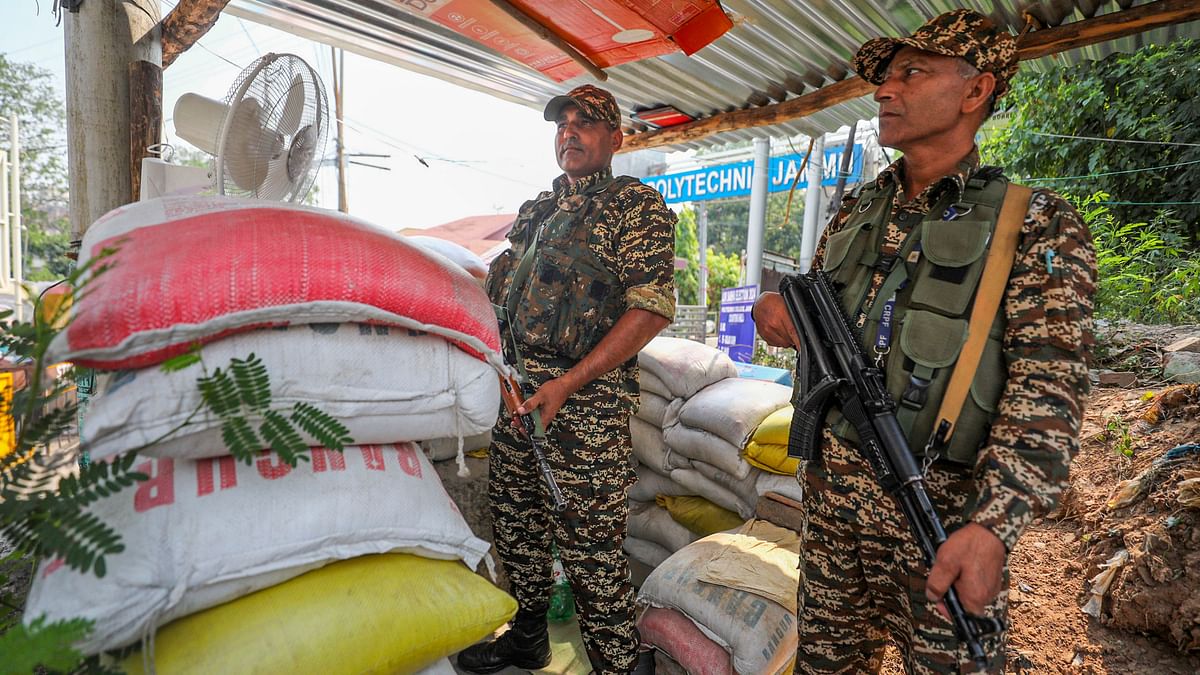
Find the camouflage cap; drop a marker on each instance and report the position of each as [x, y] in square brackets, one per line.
[963, 33]
[594, 102]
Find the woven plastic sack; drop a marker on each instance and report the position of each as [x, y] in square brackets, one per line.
[650, 449]
[770, 457]
[704, 446]
[653, 523]
[734, 408]
[651, 483]
[744, 488]
[193, 269]
[653, 408]
[385, 384]
[697, 483]
[684, 367]
[699, 515]
[456, 253]
[374, 614]
[200, 533]
[644, 551]
[775, 427]
[679, 638]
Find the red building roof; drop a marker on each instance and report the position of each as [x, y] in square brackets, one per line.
[483, 235]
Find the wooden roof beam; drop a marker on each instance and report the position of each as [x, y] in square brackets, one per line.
[186, 24]
[1032, 45]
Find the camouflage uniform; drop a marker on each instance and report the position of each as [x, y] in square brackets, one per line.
[630, 232]
[863, 577]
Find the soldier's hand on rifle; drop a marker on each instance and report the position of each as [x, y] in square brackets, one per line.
[772, 322]
[549, 398]
[972, 559]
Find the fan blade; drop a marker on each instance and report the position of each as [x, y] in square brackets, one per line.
[248, 147]
[293, 107]
[278, 183]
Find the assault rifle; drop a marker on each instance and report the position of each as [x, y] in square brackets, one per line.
[831, 367]
[529, 425]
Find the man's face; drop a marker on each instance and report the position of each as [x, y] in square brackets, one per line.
[583, 145]
[923, 97]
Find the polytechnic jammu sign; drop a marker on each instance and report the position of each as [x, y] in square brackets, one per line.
[734, 180]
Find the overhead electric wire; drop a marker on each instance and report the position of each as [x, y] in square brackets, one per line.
[1114, 140]
[1116, 173]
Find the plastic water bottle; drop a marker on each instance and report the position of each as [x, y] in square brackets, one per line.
[562, 602]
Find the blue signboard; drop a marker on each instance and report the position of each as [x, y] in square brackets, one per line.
[733, 180]
[735, 332]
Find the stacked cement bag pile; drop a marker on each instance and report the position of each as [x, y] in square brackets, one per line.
[697, 416]
[726, 603]
[350, 562]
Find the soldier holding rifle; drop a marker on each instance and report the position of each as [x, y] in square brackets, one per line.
[587, 283]
[905, 257]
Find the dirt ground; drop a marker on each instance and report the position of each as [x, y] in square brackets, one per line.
[1149, 619]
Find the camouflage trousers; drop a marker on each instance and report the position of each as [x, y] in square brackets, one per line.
[588, 448]
[862, 579]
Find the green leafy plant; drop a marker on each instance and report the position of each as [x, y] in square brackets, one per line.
[1117, 430]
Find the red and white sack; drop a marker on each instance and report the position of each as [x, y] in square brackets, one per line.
[733, 408]
[200, 533]
[194, 269]
[676, 635]
[684, 367]
[385, 384]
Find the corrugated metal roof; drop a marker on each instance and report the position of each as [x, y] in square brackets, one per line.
[777, 50]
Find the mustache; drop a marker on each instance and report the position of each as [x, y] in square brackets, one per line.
[570, 145]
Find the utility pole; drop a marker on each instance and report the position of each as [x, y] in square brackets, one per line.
[758, 211]
[702, 236]
[104, 43]
[812, 203]
[339, 84]
[14, 214]
[5, 242]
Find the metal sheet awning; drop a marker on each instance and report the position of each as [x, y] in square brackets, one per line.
[776, 51]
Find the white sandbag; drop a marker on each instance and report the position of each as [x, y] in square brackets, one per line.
[702, 446]
[384, 384]
[760, 634]
[653, 408]
[650, 449]
[652, 523]
[648, 382]
[698, 484]
[456, 253]
[440, 449]
[645, 551]
[787, 486]
[650, 484]
[685, 367]
[199, 533]
[743, 488]
[733, 408]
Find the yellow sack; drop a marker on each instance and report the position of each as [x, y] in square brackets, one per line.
[774, 429]
[770, 457]
[699, 515]
[389, 613]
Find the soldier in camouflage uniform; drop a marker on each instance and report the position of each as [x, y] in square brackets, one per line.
[599, 285]
[906, 253]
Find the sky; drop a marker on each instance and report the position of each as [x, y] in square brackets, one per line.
[484, 155]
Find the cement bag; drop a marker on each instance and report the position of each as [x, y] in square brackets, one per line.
[650, 484]
[758, 633]
[384, 384]
[697, 483]
[440, 449]
[760, 557]
[684, 366]
[787, 486]
[676, 635]
[199, 533]
[651, 451]
[649, 382]
[770, 457]
[390, 613]
[774, 429]
[455, 253]
[644, 551]
[702, 446]
[699, 515]
[745, 488]
[653, 408]
[194, 269]
[653, 523]
[733, 408]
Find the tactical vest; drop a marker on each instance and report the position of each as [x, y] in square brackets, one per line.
[919, 317]
[569, 299]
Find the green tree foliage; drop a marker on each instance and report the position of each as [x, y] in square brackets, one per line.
[724, 269]
[28, 91]
[1151, 95]
[729, 220]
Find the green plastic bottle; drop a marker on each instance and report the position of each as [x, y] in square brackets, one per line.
[562, 602]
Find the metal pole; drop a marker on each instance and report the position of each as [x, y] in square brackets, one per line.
[14, 198]
[812, 203]
[844, 169]
[702, 235]
[5, 244]
[758, 211]
[339, 84]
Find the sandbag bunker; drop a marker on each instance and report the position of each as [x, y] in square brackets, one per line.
[357, 561]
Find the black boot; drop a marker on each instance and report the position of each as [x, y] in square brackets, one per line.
[525, 645]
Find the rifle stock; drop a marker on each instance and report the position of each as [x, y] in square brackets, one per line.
[832, 368]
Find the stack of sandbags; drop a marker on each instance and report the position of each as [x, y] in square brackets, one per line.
[395, 343]
[726, 603]
[671, 371]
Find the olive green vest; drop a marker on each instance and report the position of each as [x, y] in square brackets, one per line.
[565, 299]
[933, 279]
